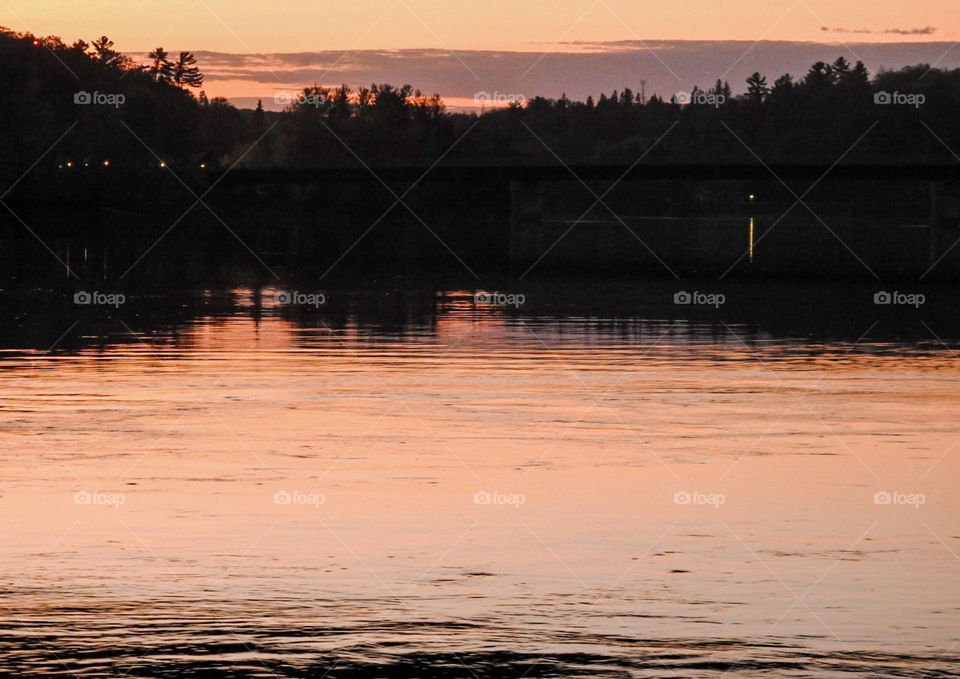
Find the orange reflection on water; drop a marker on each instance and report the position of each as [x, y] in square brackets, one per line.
[519, 474]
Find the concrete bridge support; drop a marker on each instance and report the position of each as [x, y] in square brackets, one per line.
[526, 202]
[944, 219]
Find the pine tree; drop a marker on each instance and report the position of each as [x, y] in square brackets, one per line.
[186, 73]
[784, 82]
[340, 109]
[857, 78]
[258, 124]
[782, 87]
[839, 70]
[160, 69]
[757, 89]
[819, 77]
[104, 53]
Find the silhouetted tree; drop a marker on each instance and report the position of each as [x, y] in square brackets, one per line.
[819, 77]
[757, 89]
[258, 124]
[390, 104]
[809, 120]
[185, 71]
[340, 107]
[839, 70]
[160, 68]
[106, 55]
[857, 78]
[722, 89]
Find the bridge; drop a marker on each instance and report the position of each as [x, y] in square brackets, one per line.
[525, 182]
[941, 172]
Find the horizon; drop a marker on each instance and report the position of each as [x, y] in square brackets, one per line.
[665, 66]
[518, 50]
[662, 68]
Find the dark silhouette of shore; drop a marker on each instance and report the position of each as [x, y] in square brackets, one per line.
[121, 171]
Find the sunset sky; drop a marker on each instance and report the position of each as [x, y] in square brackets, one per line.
[456, 47]
[299, 25]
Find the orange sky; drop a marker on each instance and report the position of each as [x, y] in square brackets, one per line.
[302, 25]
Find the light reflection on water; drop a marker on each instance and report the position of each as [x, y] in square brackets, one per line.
[271, 493]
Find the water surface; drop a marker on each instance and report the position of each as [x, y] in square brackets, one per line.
[421, 486]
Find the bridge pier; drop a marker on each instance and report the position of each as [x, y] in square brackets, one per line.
[935, 219]
[944, 218]
[526, 219]
[526, 202]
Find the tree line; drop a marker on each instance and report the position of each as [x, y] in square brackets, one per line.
[165, 117]
[832, 108]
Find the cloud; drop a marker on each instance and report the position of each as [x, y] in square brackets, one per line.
[928, 30]
[659, 67]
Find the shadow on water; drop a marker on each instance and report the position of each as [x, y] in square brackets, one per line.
[687, 311]
[414, 649]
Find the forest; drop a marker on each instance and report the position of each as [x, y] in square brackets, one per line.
[98, 107]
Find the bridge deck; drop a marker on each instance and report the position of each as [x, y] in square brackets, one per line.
[639, 172]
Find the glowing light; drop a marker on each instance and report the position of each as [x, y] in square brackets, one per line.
[752, 196]
[86, 164]
[751, 239]
[106, 163]
[70, 164]
[203, 166]
[162, 164]
[36, 43]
